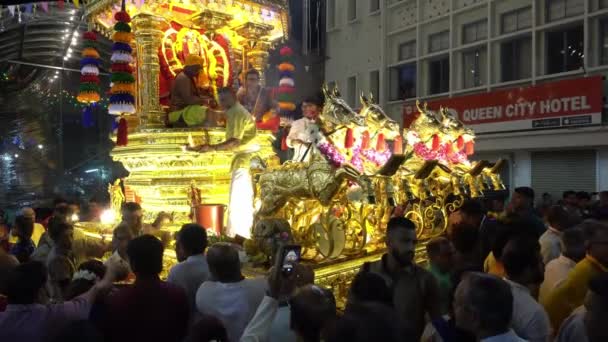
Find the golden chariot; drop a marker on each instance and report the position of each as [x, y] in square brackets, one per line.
[337, 204]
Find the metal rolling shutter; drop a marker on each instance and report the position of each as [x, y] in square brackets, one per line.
[558, 171]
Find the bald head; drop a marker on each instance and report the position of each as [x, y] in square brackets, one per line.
[224, 263]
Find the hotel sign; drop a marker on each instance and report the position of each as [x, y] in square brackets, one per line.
[567, 103]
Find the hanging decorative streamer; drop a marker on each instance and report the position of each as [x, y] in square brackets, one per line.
[286, 89]
[122, 98]
[89, 70]
[87, 117]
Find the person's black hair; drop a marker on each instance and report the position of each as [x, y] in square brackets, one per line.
[504, 232]
[79, 331]
[491, 298]
[146, 255]
[557, 216]
[252, 71]
[207, 328]
[80, 286]
[63, 212]
[311, 309]
[315, 99]
[193, 238]
[599, 286]
[24, 226]
[583, 195]
[433, 247]
[571, 240]
[472, 208]
[525, 191]
[223, 260]
[399, 223]
[370, 287]
[57, 228]
[59, 200]
[365, 322]
[465, 238]
[226, 90]
[161, 216]
[130, 207]
[94, 266]
[25, 281]
[568, 193]
[520, 253]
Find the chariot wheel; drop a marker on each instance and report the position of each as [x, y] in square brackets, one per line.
[330, 236]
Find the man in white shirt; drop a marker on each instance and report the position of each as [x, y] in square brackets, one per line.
[588, 322]
[483, 305]
[556, 271]
[524, 269]
[300, 134]
[229, 296]
[550, 241]
[192, 269]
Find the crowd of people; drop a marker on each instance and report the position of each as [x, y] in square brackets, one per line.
[527, 273]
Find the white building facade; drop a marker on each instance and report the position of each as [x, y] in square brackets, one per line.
[526, 74]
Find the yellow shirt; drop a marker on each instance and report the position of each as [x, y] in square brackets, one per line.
[571, 293]
[37, 233]
[493, 266]
[240, 125]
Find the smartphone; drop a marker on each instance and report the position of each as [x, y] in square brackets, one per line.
[289, 258]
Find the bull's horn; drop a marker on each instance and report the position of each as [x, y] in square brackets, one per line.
[371, 97]
[335, 91]
[364, 101]
[325, 90]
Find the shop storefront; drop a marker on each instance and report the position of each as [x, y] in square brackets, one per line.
[551, 133]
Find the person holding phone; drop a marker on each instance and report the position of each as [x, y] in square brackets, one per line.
[312, 308]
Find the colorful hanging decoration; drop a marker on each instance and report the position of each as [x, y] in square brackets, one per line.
[122, 99]
[88, 91]
[286, 90]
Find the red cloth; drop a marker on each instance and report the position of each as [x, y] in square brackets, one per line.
[150, 310]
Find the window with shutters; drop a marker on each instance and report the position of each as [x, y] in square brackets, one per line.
[516, 59]
[407, 50]
[474, 68]
[604, 41]
[352, 10]
[565, 50]
[374, 6]
[559, 9]
[331, 14]
[475, 31]
[439, 41]
[519, 19]
[374, 84]
[439, 72]
[402, 82]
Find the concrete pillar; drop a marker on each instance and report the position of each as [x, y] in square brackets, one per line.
[602, 169]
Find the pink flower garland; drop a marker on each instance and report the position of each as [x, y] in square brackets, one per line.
[378, 158]
[332, 154]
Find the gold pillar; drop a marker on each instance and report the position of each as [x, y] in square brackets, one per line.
[257, 58]
[148, 35]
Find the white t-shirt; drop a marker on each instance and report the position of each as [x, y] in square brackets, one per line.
[232, 303]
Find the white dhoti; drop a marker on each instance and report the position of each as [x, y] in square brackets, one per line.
[240, 206]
